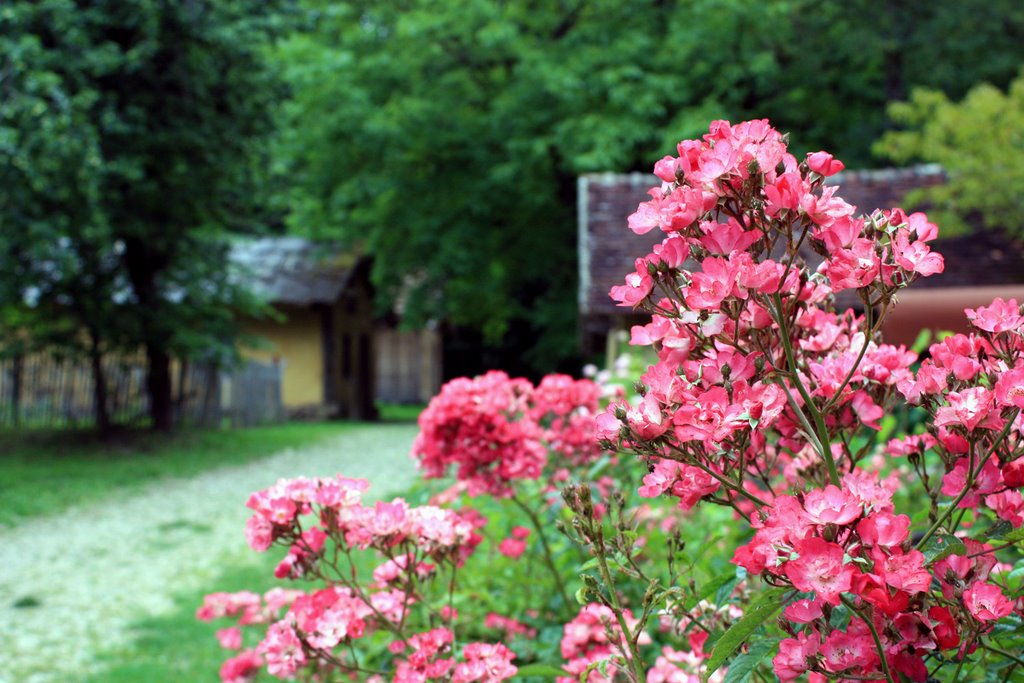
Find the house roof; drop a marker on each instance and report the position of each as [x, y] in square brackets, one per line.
[294, 270]
[607, 248]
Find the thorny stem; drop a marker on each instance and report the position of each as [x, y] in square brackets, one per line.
[869, 332]
[549, 559]
[819, 422]
[991, 550]
[1003, 653]
[960, 665]
[972, 472]
[606, 575]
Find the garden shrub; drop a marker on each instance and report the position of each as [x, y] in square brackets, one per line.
[753, 509]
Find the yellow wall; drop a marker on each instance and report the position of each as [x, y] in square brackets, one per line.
[296, 342]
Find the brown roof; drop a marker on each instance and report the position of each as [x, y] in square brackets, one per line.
[607, 248]
[293, 270]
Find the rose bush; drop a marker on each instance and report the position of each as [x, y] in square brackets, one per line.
[782, 493]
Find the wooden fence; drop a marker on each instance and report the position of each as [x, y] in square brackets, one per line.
[408, 365]
[43, 390]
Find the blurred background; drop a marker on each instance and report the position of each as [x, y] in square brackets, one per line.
[233, 212]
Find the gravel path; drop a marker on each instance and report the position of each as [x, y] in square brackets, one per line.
[96, 568]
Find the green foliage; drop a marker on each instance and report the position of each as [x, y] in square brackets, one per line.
[941, 546]
[447, 137]
[132, 138]
[767, 603]
[978, 141]
[743, 666]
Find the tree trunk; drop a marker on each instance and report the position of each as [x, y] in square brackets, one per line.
[158, 386]
[143, 265]
[99, 387]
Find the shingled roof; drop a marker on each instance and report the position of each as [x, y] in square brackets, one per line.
[293, 270]
[607, 248]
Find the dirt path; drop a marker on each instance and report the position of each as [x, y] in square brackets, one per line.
[71, 584]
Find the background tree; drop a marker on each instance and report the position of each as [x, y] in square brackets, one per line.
[979, 141]
[447, 138]
[58, 260]
[135, 133]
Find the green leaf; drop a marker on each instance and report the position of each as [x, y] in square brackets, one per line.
[998, 530]
[724, 591]
[543, 670]
[941, 546]
[709, 589]
[743, 666]
[757, 613]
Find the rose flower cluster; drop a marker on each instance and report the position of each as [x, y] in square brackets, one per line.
[496, 430]
[764, 396]
[321, 521]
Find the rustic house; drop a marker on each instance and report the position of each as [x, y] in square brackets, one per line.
[979, 266]
[323, 331]
[337, 358]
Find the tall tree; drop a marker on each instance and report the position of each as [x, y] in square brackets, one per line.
[58, 260]
[447, 137]
[171, 104]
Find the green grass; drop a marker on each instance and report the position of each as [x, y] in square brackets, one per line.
[47, 472]
[400, 412]
[178, 647]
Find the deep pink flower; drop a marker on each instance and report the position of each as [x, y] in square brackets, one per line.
[795, 656]
[819, 568]
[987, 481]
[1010, 388]
[512, 547]
[715, 282]
[242, 668]
[987, 602]
[824, 163]
[638, 285]
[485, 663]
[844, 651]
[971, 408]
[282, 650]
[831, 505]
[646, 419]
[998, 317]
[916, 257]
[230, 638]
[723, 239]
[1008, 505]
[803, 611]
[884, 529]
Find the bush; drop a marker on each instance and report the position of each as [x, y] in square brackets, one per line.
[756, 468]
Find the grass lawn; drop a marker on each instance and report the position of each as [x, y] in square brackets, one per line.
[400, 412]
[46, 472]
[178, 647]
